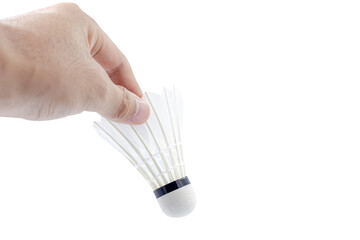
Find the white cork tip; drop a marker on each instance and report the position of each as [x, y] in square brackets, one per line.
[178, 203]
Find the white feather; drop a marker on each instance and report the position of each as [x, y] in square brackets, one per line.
[154, 148]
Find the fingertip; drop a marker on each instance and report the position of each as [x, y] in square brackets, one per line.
[124, 106]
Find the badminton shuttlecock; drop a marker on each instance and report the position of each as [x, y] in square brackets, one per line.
[155, 150]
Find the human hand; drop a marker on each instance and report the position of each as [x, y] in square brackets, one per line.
[56, 62]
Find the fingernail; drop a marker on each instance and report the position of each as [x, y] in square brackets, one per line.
[142, 112]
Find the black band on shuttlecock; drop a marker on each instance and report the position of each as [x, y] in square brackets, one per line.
[171, 187]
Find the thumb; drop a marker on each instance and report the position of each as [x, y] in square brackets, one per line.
[123, 106]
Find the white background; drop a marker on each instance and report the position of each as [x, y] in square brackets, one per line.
[271, 127]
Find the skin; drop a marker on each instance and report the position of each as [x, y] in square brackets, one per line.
[57, 61]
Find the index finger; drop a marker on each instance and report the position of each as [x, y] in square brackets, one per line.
[114, 62]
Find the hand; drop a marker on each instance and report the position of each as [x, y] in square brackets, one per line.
[56, 62]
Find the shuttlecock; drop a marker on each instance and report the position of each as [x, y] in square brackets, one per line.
[155, 150]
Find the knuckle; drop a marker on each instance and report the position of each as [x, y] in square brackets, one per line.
[69, 6]
[124, 107]
[70, 13]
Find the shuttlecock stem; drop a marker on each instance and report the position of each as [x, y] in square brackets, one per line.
[137, 151]
[165, 137]
[151, 155]
[179, 146]
[173, 130]
[159, 150]
[128, 156]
